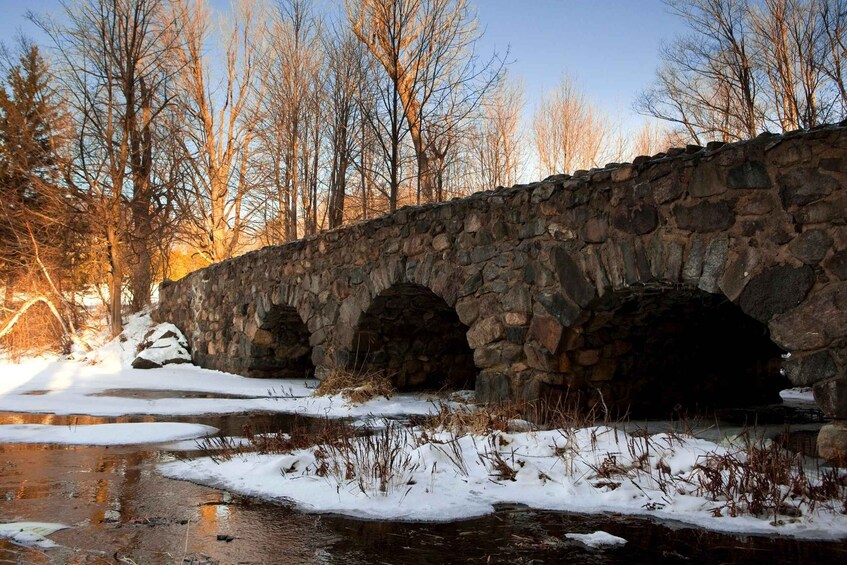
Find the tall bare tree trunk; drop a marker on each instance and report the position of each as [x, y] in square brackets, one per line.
[115, 280]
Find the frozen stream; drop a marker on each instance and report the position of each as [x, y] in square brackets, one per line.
[120, 507]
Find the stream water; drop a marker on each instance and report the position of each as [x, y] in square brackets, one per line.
[121, 510]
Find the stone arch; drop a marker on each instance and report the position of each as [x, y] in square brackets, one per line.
[654, 349]
[410, 333]
[277, 343]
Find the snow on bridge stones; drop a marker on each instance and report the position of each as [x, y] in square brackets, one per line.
[676, 280]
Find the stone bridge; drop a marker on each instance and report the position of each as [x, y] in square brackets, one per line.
[697, 277]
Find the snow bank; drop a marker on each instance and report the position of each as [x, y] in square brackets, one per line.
[103, 434]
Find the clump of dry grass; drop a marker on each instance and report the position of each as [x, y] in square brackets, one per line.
[300, 435]
[762, 478]
[356, 387]
[477, 420]
[377, 463]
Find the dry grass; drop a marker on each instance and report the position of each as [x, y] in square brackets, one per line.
[378, 463]
[356, 387]
[762, 478]
[477, 420]
[300, 435]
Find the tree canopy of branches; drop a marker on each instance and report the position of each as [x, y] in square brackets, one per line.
[216, 123]
[112, 66]
[569, 132]
[291, 119]
[425, 48]
[752, 65]
[497, 140]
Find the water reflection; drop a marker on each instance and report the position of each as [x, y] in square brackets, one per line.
[228, 424]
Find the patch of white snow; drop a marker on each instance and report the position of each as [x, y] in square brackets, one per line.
[31, 534]
[597, 539]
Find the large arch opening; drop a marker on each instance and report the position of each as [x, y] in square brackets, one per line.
[280, 347]
[672, 351]
[413, 336]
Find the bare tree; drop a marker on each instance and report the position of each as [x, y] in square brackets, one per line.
[345, 74]
[288, 80]
[834, 45]
[218, 121]
[111, 58]
[425, 47]
[496, 141]
[707, 83]
[651, 138]
[787, 35]
[569, 132]
[751, 65]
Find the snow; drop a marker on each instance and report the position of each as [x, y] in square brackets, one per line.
[103, 434]
[162, 345]
[798, 394]
[71, 385]
[32, 534]
[597, 539]
[454, 478]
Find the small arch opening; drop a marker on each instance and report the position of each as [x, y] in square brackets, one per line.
[412, 335]
[673, 351]
[280, 347]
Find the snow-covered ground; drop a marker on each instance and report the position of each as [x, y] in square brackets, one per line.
[438, 478]
[596, 469]
[69, 387]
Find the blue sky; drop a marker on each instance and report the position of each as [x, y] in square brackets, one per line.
[609, 47]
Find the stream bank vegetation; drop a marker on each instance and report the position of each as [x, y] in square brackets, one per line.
[463, 459]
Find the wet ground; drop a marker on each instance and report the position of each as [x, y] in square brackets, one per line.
[122, 511]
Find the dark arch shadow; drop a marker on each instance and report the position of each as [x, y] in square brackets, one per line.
[280, 347]
[412, 335]
[660, 351]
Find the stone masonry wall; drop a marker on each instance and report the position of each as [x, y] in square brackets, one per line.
[763, 223]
